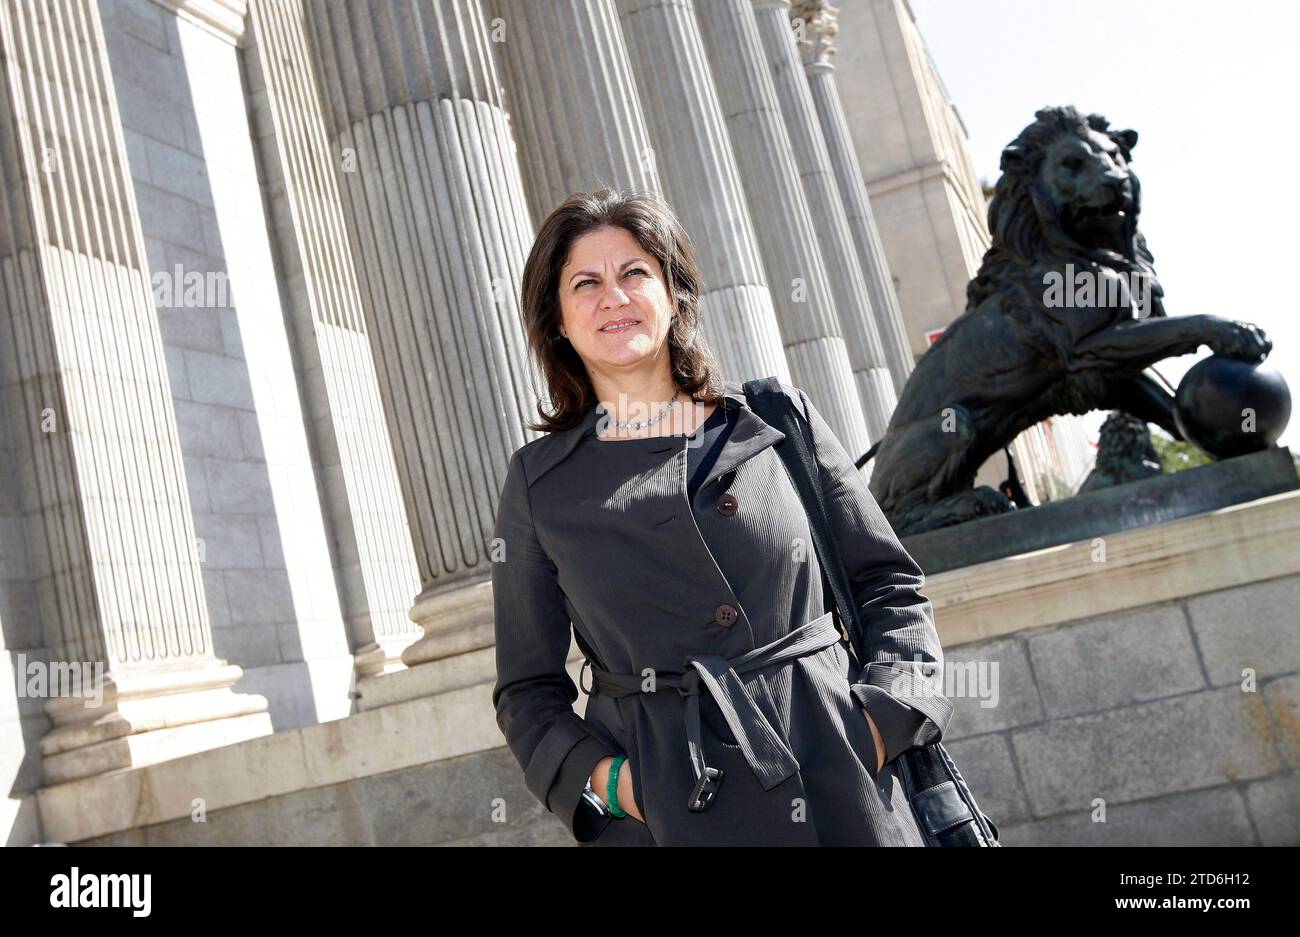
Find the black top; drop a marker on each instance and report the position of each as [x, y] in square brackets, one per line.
[700, 457]
[701, 454]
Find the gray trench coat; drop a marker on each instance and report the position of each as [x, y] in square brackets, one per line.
[600, 536]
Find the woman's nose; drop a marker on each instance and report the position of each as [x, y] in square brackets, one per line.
[616, 293]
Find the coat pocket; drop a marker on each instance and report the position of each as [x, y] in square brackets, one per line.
[857, 731]
[623, 831]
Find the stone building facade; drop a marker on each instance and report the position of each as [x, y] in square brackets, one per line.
[261, 358]
[263, 363]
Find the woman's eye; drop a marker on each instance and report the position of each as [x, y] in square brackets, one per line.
[582, 283]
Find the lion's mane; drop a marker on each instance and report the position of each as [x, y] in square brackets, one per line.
[1028, 234]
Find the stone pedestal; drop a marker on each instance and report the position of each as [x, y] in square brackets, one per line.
[148, 717]
[456, 651]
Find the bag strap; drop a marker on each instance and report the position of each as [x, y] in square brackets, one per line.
[774, 407]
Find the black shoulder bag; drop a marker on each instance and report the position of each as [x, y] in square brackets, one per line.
[944, 807]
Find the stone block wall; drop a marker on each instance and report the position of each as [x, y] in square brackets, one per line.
[1143, 712]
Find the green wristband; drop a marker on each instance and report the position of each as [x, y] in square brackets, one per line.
[611, 788]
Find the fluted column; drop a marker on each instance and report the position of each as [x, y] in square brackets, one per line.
[439, 229]
[110, 533]
[815, 29]
[852, 298]
[801, 290]
[572, 100]
[354, 446]
[693, 157]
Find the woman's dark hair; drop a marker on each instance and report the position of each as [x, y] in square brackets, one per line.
[648, 219]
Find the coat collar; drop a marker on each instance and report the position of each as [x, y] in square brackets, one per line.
[749, 436]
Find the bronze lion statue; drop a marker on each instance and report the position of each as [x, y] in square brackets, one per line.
[1063, 316]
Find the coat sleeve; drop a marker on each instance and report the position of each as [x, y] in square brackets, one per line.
[896, 686]
[533, 694]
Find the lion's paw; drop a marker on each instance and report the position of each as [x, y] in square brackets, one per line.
[1241, 340]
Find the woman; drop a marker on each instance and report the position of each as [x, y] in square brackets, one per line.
[657, 518]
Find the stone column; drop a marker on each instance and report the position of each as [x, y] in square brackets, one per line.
[787, 237]
[110, 533]
[354, 447]
[852, 298]
[572, 100]
[439, 229]
[692, 155]
[815, 27]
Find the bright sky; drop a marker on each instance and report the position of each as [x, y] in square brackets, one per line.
[1204, 83]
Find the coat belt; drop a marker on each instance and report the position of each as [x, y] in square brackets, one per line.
[766, 751]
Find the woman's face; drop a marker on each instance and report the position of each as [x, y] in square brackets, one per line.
[614, 302]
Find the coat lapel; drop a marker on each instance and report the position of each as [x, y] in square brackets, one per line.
[748, 437]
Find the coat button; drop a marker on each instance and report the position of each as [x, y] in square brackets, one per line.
[726, 615]
[727, 504]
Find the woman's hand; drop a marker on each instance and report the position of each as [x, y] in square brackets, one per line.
[626, 797]
[875, 734]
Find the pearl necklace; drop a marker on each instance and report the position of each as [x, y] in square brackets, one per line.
[638, 424]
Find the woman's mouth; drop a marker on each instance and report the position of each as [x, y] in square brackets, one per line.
[621, 325]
